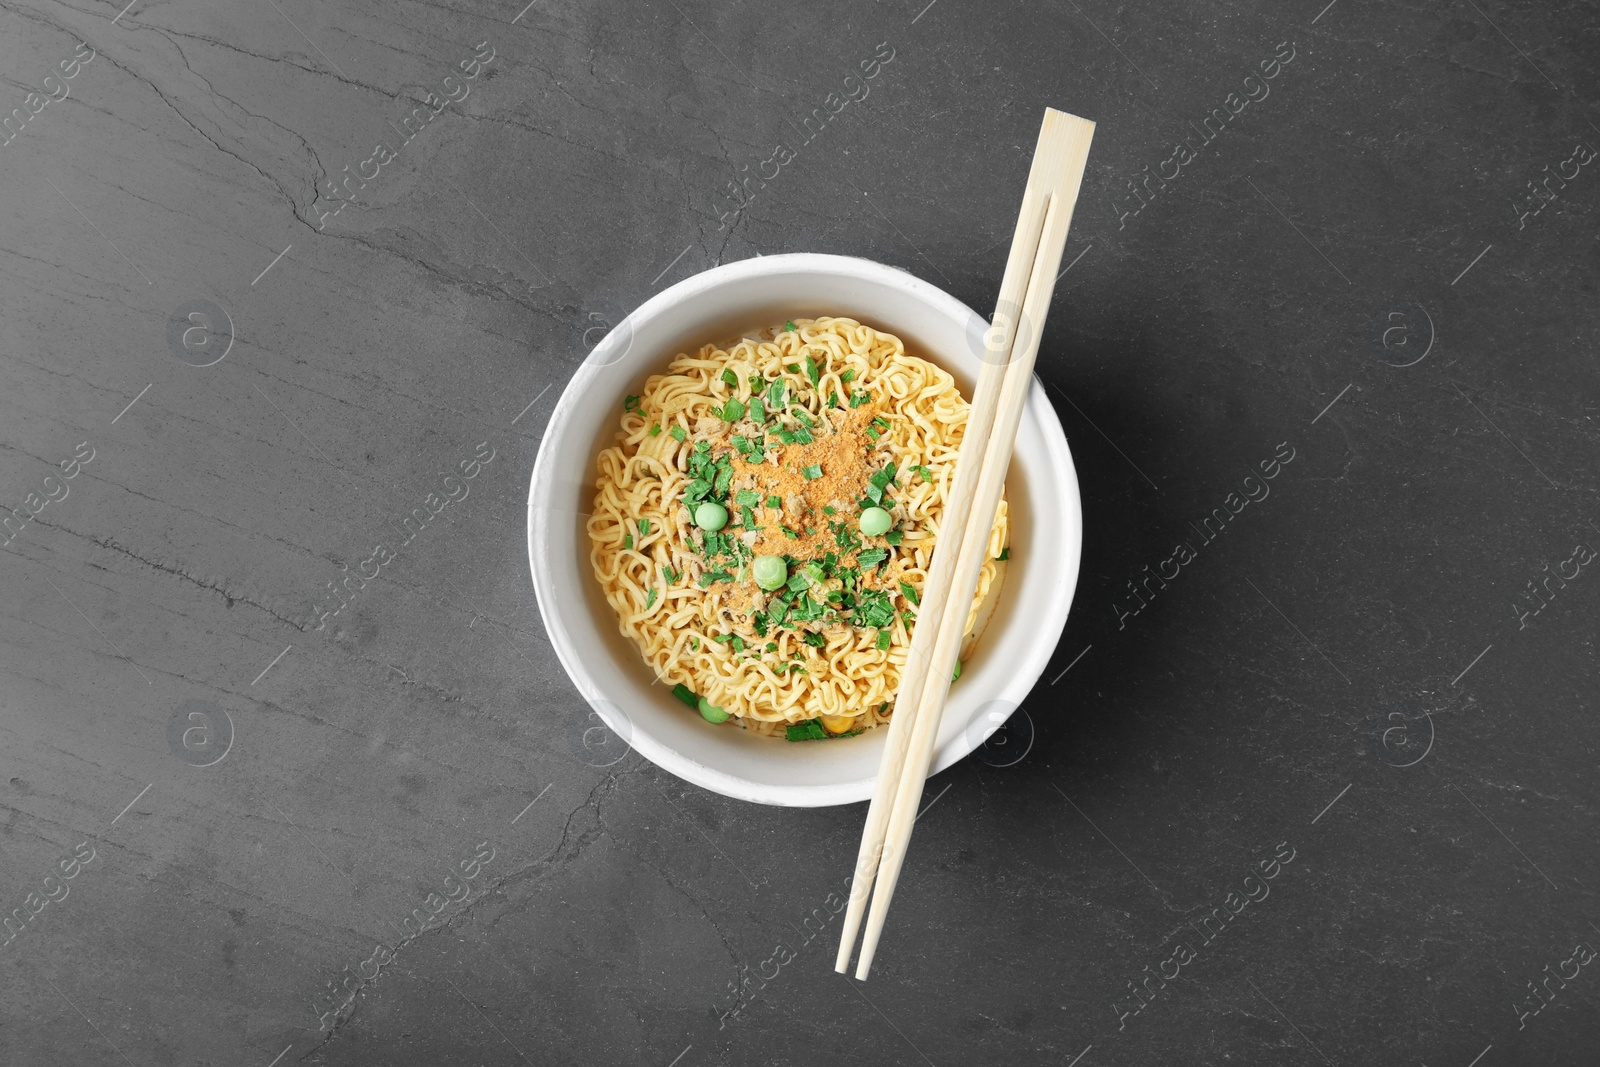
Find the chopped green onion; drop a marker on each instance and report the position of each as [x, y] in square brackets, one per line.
[829, 509]
[872, 557]
[655, 429]
[810, 730]
[774, 502]
[650, 601]
[814, 639]
[1005, 554]
[909, 591]
[873, 608]
[884, 637]
[630, 403]
[786, 532]
[812, 372]
[627, 540]
[848, 376]
[894, 537]
[812, 472]
[678, 433]
[857, 399]
[758, 409]
[644, 527]
[788, 326]
[747, 497]
[731, 378]
[732, 411]
[687, 695]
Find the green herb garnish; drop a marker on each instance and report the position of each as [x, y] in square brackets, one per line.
[732, 411]
[685, 694]
[787, 326]
[630, 403]
[678, 433]
[774, 502]
[810, 730]
[650, 601]
[909, 591]
[1005, 554]
[731, 378]
[812, 472]
[883, 640]
[873, 608]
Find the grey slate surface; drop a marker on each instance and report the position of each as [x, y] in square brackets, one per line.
[1356, 268]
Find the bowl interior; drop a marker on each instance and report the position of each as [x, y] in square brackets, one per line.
[725, 303]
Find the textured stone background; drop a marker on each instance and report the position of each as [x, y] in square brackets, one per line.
[1354, 267]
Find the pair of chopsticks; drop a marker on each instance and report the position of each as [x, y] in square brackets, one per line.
[1011, 345]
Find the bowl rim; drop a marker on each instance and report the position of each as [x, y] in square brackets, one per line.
[1018, 684]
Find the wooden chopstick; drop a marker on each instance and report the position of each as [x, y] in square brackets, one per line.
[985, 455]
[980, 420]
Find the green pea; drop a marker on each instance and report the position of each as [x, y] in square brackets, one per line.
[770, 572]
[875, 521]
[710, 712]
[710, 516]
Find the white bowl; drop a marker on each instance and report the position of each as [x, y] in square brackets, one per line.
[607, 668]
